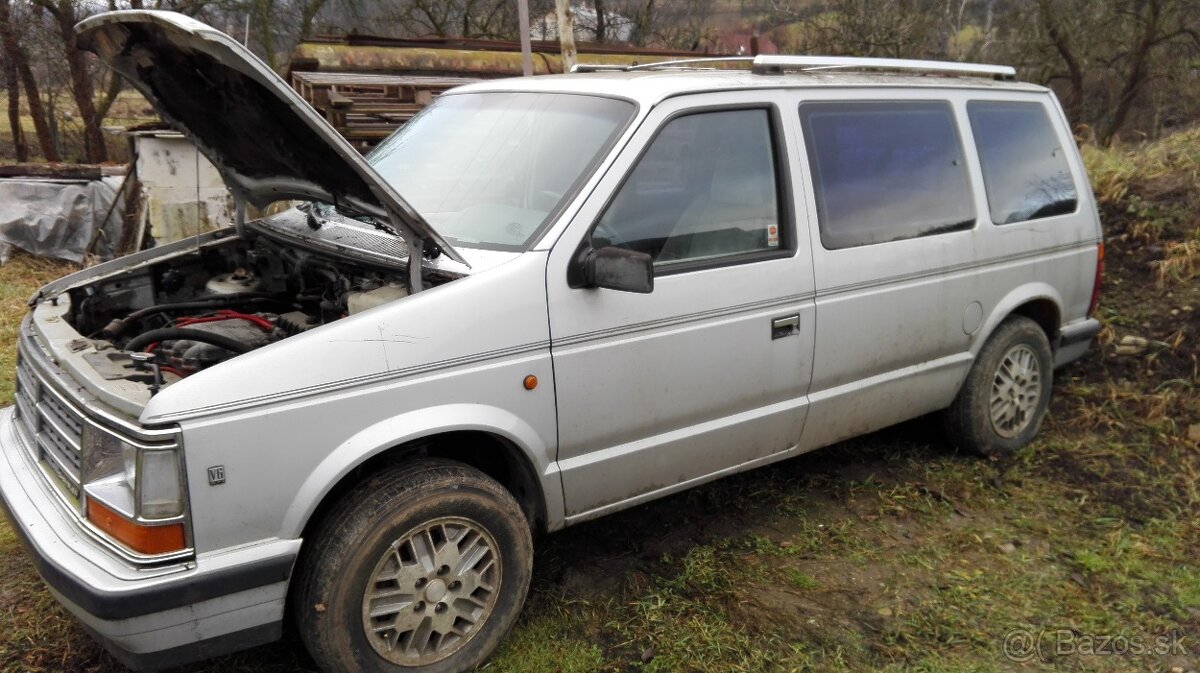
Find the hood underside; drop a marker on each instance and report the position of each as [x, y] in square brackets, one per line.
[267, 141]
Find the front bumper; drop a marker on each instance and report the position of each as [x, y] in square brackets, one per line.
[149, 618]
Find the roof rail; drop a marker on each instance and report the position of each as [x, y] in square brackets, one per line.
[692, 62]
[766, 64]
[598, 67]
[689, 63]
[772, 64]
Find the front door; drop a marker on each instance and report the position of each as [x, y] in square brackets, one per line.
[709, 372]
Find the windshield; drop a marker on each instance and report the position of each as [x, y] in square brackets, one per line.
[488, 169]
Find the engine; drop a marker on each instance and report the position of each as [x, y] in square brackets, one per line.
[170, 321]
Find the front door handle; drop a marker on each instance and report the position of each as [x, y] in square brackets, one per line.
[785, 326]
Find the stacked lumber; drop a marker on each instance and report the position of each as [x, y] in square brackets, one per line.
[365, 108]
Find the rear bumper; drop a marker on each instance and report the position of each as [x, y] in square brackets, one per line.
[148, 618]
[1074, 340]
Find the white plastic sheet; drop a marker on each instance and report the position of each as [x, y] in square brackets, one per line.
[57, 218]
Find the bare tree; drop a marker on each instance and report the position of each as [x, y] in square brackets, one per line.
[308, 13]
[679, 24]
[886, 28]
[13, 87]
[66, 14]
[1153, 26]
[456, 18]
[18, 68]
[262, 14]
[1113, 61]
[1104, 55]
[1061, 31]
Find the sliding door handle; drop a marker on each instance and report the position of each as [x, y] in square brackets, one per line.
[785, 326]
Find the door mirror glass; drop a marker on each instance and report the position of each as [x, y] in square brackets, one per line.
[617, 269]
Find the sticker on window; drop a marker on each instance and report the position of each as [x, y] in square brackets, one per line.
[773, 235]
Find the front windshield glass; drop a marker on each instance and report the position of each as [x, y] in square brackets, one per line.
[488, 169]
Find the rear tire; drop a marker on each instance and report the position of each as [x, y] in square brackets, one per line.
[1005, 396]
[422, 568]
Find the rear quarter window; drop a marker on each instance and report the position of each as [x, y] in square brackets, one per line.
[1024, 163]
[886, 171]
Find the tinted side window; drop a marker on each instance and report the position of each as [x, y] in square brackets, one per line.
[1024, 165]
[886, 171]
[704, 189]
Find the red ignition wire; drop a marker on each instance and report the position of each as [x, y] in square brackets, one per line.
[225, 314]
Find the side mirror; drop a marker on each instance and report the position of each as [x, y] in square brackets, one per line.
[617, 269]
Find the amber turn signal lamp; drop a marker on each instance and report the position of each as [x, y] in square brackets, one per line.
[530, 382]
[142, 539]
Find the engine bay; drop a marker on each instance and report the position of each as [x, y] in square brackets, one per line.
[164, 322]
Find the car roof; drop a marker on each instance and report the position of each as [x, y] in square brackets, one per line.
[652, 86]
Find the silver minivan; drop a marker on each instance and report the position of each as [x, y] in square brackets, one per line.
[541, 301]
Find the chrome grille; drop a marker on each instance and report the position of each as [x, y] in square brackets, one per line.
[54, 426]
[51, 424]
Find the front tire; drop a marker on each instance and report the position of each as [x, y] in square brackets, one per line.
[423, 568]
[1004, 399]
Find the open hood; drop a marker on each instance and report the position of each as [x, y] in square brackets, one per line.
[268, 143]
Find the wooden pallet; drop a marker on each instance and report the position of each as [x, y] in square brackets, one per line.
[366, 108]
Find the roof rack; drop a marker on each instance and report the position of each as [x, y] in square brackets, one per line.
[692, 62]
[680, 64]
[598, 67]
[771, 64]
[765, 64]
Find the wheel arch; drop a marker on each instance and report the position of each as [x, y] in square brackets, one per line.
[970, 420]
[491, 440]
[1039, 302]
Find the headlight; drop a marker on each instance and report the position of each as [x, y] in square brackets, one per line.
[134, 491]
[159, 491]
[129, 455]
[105, 454]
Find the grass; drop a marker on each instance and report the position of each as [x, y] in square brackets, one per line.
[18, 279]
[557, 633]
[889, 552]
